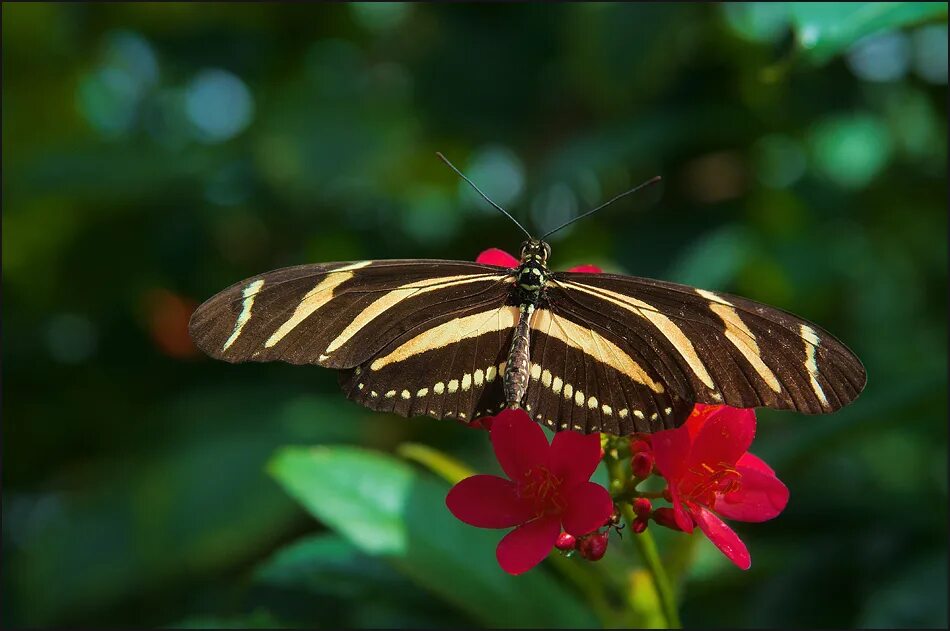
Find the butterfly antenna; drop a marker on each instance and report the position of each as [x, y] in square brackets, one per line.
[649, 182]
[479, 191]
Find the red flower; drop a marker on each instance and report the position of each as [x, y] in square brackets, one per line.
[711, 473]
[494, 256]
[548, 489]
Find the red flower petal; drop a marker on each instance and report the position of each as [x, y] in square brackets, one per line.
[698, 417]
[722, 440]
[519, 443]
[761, 496]
[588, 507]
[574, 456]
[724, 538]
[586, 269]
[670, 449]
[487, 501]
[528, 544]
[681, 515]
[751, 461]
[494, 256]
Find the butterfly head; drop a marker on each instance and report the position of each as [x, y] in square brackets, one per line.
[535, 251]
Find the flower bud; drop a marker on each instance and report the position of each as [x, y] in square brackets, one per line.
[565, 542]
[593, 546]
[642, 506]
[665, 517]
[642, 464]
[639, 524]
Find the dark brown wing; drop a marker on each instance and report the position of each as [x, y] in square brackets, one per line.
[340, 315]
[714, 348]
[450, 366]
[585, 377]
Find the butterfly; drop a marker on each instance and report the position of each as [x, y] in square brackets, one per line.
[580, 351]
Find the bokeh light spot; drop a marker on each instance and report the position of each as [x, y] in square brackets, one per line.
[851, 150]
[380, 16]
[168, 316]
[554, 206]
[880, 58]
[109, 96]
[930, 53]
[757, 21]
[219, 105]
[497, 171]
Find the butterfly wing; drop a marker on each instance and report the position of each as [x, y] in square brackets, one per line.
[586, 377]
[709, 347]
[339, 315]
[449, 366]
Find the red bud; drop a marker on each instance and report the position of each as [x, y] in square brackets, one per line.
[593, 546]
[565, 542]
[642, 464]
[639, 524]
[642, 506]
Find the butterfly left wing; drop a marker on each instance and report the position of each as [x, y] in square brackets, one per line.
[338, 315]
[714, 348]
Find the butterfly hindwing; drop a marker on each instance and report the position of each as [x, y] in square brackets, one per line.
[585, 377]
[449, 368]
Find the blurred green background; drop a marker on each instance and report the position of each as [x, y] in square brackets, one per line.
[154, 154]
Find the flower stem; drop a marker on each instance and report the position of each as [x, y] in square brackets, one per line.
[620, 486]
[647, 548]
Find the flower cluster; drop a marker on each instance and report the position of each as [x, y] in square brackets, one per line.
[551, 503]
[547, 489]
[710, 473]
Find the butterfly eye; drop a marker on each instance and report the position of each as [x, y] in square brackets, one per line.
[547, 250]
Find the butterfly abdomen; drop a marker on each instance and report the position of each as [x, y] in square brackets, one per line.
[517, 368]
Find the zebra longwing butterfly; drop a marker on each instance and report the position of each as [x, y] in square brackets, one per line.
[588, 352]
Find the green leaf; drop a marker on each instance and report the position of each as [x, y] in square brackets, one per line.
[328, 564]
[339, 583]
[824, 29]
[388, 509]
[446, 467]
[173, 512]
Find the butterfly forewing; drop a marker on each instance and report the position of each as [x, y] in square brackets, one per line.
[724, 349]
[339, 315]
